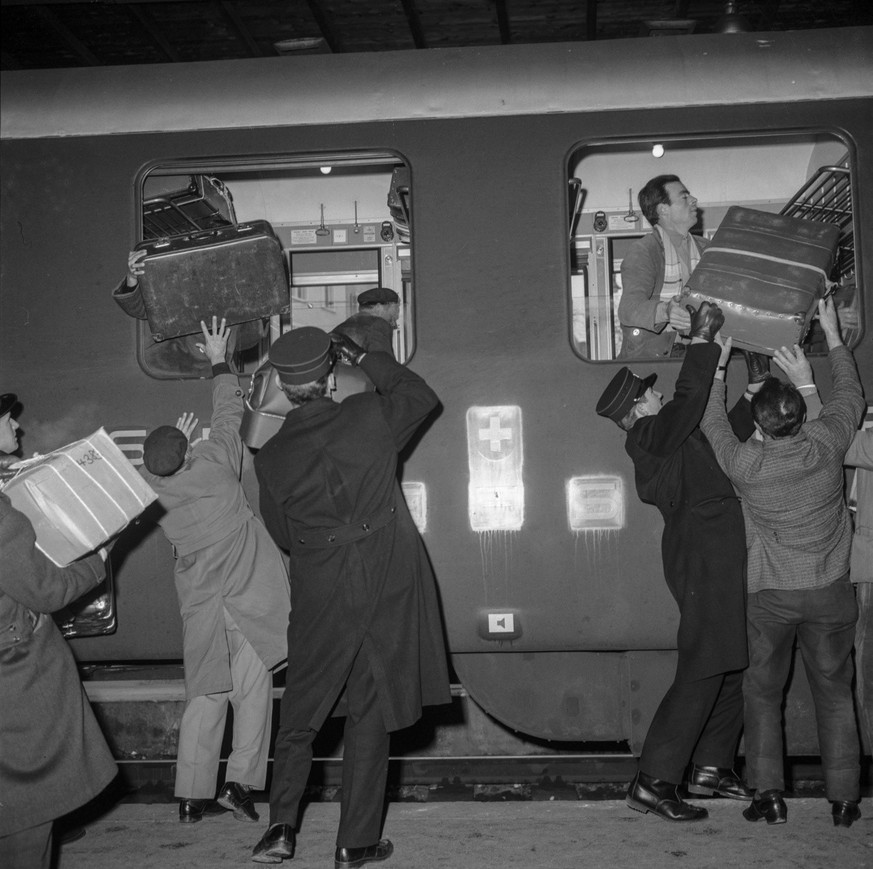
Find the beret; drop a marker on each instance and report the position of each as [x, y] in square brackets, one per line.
[378, 296]
[163, 451]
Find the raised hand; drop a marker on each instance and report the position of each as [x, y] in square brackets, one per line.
[705, 321]
[215, 340]
[345, 349]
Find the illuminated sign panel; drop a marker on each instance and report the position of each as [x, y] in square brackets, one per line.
[595, 503]
[415, 495]
[495, 455]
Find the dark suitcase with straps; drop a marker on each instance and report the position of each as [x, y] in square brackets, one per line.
[767, 273]
[236, 272]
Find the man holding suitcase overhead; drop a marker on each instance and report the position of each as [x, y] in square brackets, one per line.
[704, 555]
[365, 636]
[799, 535]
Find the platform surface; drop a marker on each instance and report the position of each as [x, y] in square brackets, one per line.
[557, 834]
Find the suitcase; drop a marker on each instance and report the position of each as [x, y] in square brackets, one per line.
[79, 496]
[767, 273]
[237, 272]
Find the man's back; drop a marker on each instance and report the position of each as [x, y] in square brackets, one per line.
[797, 525]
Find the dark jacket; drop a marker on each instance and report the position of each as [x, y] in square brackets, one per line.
[53, 757]
[642, 276]
[360, 578]
[703, 546]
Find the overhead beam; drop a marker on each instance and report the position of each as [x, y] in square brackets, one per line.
[414, 22]
[503, 22]
[591, 20]
[67, 36]
[323, 21]
[240, 28]
[767, 14]
[145, 20]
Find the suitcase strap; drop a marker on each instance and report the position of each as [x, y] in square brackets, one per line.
[774, 259]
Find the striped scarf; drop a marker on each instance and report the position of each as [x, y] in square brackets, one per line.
[677, 269]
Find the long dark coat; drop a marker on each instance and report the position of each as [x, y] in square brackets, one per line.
[53, 757]
[703, 546]
[360, 578]
[225, 558]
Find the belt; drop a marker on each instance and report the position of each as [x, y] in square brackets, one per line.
[340, 535]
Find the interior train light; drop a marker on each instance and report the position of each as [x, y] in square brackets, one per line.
[326, 170]
[495, 455]
[657, 150]
[595, 503]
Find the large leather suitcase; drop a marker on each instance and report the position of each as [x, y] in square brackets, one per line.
[236, 272]
[767, 273]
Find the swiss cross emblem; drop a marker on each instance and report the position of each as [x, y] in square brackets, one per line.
[496, 439]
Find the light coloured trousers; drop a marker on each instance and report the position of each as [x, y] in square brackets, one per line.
[203, 721]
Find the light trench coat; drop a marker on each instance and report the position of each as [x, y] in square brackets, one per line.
[225, 559]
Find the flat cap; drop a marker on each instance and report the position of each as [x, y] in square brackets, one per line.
[163, 451]
[8, 402]
[621, 394]
[301, 355]
[378, 296]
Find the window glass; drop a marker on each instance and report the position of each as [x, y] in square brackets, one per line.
[624, 275]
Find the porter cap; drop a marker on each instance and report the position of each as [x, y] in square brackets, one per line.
[301, 355]
[622, 393]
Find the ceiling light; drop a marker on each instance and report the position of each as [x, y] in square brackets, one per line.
[732, 21]
[657, 150]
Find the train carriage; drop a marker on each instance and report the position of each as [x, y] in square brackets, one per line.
[494, 189]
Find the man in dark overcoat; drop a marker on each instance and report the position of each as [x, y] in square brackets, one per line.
[704, 556]
[365, 635]
[53, 757]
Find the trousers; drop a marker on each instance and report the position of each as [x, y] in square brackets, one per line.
[203, 721]
[822, 620]
[698, 721]
[864, 660]
[365, 764]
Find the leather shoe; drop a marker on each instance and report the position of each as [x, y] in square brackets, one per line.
[711, 781]
[191, 811]
[349, 858]
[236, 798]
[845, 812]
[768, 805]
[661, 798]
[276, 845]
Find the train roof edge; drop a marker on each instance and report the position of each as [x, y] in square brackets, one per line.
[437, 83]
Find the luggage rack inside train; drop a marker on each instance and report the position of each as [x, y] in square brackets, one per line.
[827, 198]
[204, 203]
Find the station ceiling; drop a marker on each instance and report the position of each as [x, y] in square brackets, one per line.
[50, 34]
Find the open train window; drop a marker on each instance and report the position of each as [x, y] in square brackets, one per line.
[613, 308]
[343, 224]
